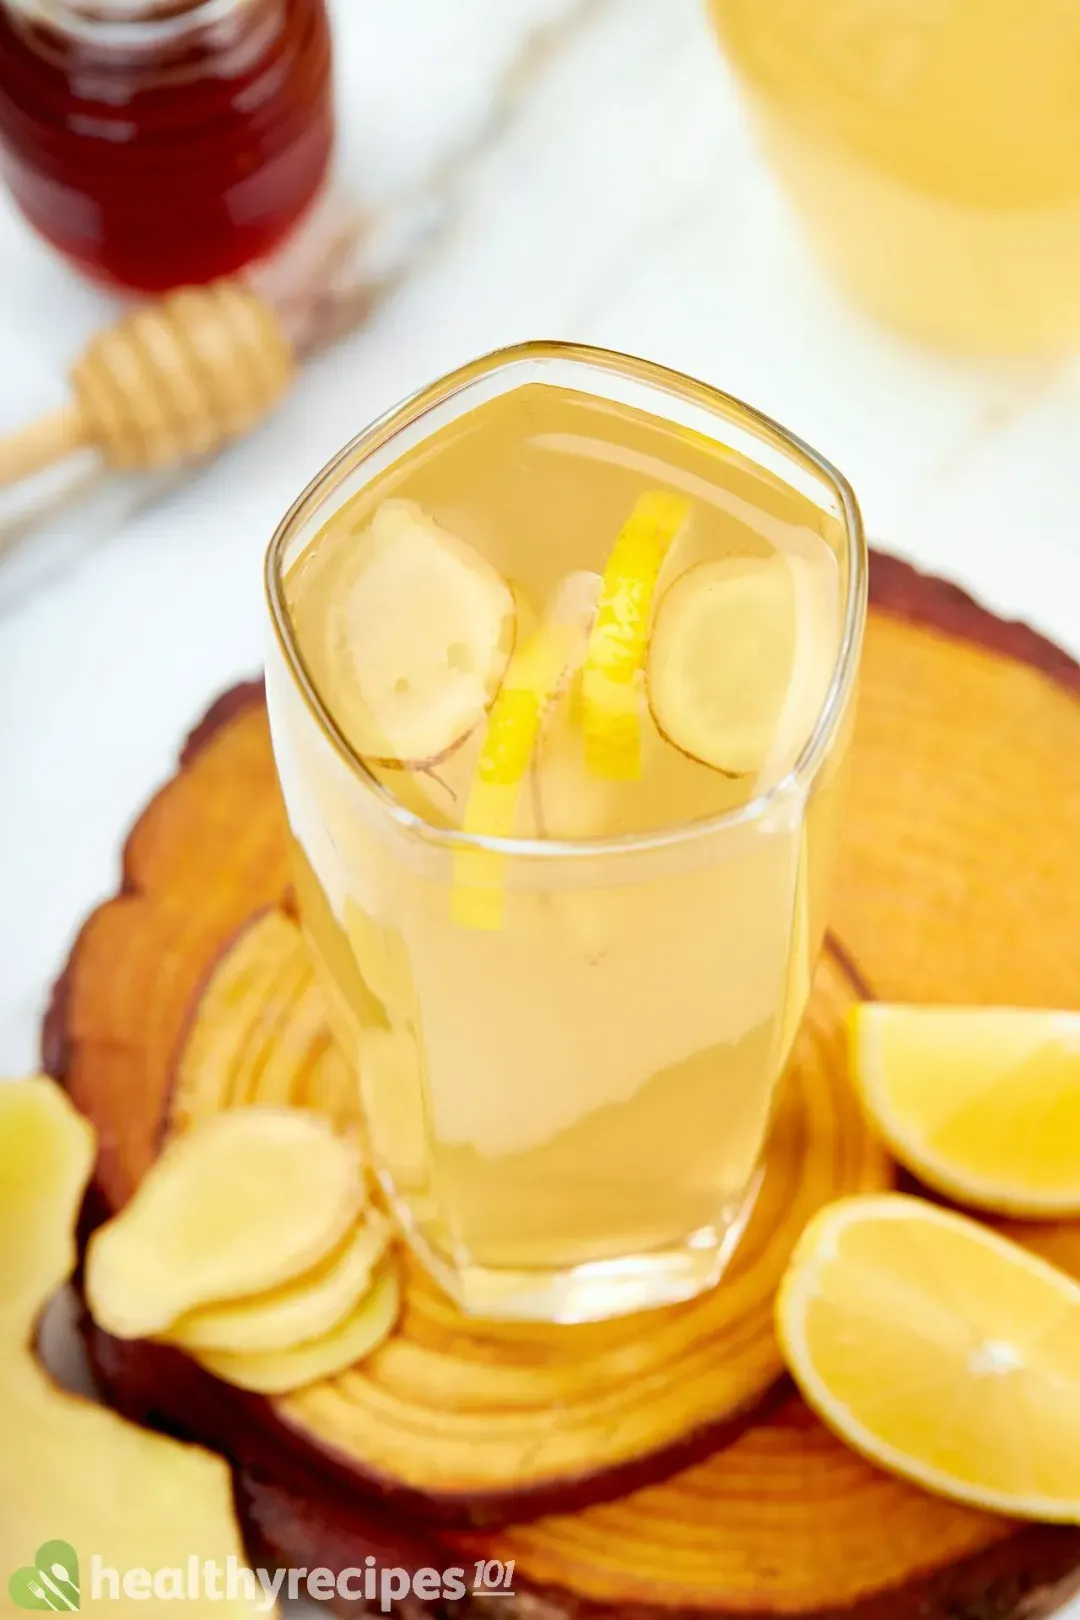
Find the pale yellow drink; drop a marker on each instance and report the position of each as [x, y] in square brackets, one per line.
[568, 1038]
[932, 148]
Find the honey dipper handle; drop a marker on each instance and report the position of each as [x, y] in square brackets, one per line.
[38, 445]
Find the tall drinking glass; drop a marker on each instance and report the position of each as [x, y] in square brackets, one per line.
[568, 1032]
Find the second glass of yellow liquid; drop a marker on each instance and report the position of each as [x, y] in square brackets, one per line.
[561, 690]
[932, 148]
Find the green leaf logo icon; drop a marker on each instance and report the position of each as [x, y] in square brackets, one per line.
[51, 1582]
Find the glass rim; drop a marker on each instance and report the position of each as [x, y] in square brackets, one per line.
[661, 379]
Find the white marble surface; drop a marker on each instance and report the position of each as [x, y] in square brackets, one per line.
[591, 177]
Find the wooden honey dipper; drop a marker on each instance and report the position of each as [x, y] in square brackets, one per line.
[169, 382]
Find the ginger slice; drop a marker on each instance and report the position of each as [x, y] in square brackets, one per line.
[276, 1372]
[250, 1200]
[408, 633]
[133, 1499]
[306, 1309]
[721, 661]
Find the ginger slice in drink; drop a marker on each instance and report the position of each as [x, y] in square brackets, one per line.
[415, 641]
[277, 1372]
[611, 686]
[245, 1202]
[538, 674]
[721, 661]
[569, 800]
[306, 1309]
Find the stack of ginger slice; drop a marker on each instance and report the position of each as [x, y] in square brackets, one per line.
[251, 1244]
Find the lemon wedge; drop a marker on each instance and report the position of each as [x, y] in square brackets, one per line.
[537, 674]
[941, 1351]
[721, 660]
[982, 1103]
[612, 676]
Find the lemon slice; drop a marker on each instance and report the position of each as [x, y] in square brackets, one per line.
[419, 632]
[537, 674]
[941, 1351]
[611, 688]
[982, 1103]
[721, 660]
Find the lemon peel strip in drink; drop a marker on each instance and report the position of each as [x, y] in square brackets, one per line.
[614, 662]
[536, 675]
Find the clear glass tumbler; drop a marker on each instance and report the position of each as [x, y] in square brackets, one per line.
[567, 1114]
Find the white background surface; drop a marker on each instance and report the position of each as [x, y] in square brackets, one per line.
[593, 179]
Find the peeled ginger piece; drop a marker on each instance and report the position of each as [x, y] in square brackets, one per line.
[46, 1155]
[133, 1498]
[245, 1202]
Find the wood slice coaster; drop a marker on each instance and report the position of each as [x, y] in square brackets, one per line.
[190, 992]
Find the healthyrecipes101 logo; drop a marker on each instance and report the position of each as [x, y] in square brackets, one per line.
[52, 1581]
